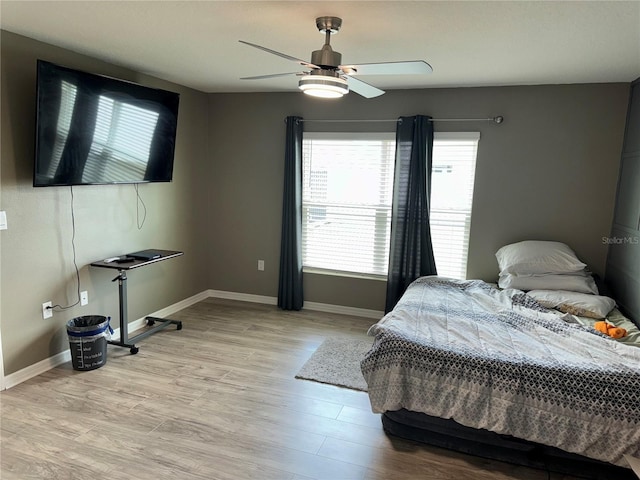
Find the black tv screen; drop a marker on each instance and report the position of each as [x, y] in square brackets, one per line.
[92, 129]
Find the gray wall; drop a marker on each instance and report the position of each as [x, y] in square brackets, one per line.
[36, 258]
[623, 263]
[548, 172]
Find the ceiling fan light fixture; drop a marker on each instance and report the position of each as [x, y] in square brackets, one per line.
[323, 87]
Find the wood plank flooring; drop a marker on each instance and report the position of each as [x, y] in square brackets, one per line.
[216, 400]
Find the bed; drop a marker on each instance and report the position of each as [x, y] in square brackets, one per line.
[491, 371]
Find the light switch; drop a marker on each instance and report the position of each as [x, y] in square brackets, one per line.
[3, 220]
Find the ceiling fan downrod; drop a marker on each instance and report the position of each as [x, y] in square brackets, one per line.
[327, 57]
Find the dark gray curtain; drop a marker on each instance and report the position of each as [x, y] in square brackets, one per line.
[290, 284]
[411, 252]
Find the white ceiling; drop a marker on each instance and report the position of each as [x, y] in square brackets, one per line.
[477, 43]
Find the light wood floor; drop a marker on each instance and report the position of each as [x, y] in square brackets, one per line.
[216, 400]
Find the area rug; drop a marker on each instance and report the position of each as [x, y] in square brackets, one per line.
[337, 362]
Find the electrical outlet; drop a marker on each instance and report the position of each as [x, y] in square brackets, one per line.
[84, 298]
[47, 312]
[261, 265]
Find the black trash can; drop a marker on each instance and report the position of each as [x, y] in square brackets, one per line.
[88, 337]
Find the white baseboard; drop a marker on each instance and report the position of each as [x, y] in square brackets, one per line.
[36, 369]
[48, 363]
[163, 313]
[243, 297]
[318, 307]
[65, 356]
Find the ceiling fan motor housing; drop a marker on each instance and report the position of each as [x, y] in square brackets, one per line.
[326, 57]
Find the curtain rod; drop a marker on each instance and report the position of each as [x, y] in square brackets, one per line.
[499, 119]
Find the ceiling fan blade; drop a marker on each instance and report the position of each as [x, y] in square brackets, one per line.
[273, 75]
[283, 55]
[363, 88]
[388, 68]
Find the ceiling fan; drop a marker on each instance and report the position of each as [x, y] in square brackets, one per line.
[327, 77]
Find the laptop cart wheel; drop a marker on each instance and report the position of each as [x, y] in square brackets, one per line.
[179, 327]
[134, 350]
[150, 322]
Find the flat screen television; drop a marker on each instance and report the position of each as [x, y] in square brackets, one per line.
[96, 130]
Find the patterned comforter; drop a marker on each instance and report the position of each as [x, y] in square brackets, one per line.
[496, 359]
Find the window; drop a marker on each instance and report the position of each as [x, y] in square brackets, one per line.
[452, 175]
[346, 201]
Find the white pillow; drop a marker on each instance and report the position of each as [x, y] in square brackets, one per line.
[581, 304]
[535, 257]
[577, 282]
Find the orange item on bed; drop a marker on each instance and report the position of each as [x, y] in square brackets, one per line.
[611, 330]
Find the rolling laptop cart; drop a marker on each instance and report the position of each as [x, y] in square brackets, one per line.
[124, 264]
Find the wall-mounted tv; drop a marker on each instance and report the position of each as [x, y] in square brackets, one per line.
[95, 130]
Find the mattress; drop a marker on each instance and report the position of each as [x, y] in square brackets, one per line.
[497, 360]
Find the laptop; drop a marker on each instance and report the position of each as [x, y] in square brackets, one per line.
[145, 255]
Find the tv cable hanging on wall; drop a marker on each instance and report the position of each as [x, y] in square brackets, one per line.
[139, 202]
[75, 263]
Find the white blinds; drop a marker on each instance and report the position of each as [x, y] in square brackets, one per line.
[346, 201]
[452, 178]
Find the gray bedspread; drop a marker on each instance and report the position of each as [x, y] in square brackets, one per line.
[496, 359]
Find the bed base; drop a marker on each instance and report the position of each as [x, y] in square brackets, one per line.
[451, 435]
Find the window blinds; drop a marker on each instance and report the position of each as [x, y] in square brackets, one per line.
[347, 194]
[346, 201]
[452, 179]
